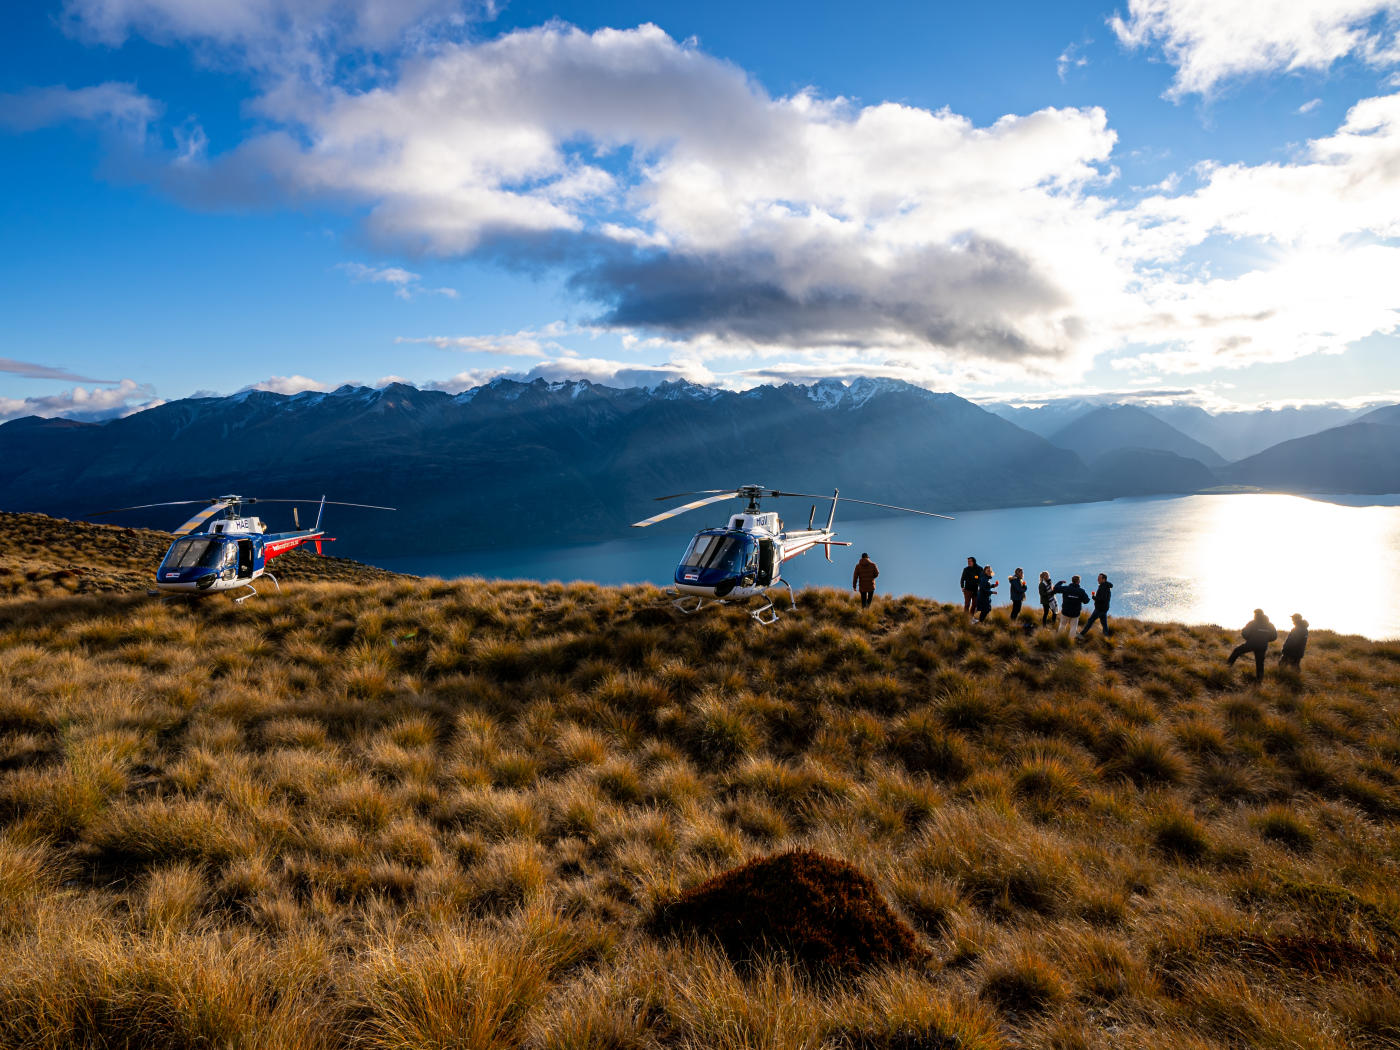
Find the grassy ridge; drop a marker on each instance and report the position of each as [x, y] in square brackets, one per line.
[43, 557]
[417, 813]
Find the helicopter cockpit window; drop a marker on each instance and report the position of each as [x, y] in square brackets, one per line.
[197, 551]
[710, 551]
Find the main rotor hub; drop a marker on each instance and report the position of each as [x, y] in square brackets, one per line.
[752, 493]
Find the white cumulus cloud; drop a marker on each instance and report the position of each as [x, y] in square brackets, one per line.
[1325, 227]
[293, 384]
[686, 201]
[84, 403]
[1211, 41]
[594, 369]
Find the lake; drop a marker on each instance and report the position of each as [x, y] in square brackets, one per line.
[1197, 559]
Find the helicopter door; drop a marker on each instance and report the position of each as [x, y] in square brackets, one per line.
[245, 559]
[765, 562]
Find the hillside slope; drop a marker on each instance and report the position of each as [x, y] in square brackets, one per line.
[1113, 428]
[417, 813]
[1358, 457]
[1149, 471]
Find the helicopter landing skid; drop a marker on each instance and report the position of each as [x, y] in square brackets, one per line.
[768, 614]
[253, 591]
[682, 603]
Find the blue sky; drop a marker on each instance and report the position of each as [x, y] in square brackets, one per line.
[1020, 200]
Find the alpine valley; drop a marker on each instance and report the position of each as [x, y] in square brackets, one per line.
[576, 461]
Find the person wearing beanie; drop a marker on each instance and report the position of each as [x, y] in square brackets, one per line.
[1049, 611]
[1295, 644]
[1017, 583]
[985, 586]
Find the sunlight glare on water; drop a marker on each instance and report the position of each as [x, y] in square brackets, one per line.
[1221, 556]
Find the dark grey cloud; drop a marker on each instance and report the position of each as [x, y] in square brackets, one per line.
[971, 297]
[33, 371]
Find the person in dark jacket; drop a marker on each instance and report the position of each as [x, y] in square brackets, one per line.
[985, 586]
[1072, 599]
[1102, 593]
[971, 577]
[863, 580]
[1049, 613]
[1017, 586]
[1257, 634]
[1295, 644]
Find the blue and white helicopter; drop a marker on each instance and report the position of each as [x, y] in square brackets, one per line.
[744, 558]
[234, 551]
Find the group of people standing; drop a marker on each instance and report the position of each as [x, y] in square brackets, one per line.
[979, 581]
[1061, 604]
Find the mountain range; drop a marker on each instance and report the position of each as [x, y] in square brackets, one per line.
[1233, 435]
[521, 464]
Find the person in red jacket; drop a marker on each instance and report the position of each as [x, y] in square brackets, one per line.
[863, 580]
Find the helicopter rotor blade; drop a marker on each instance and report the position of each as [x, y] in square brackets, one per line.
[147, 506]
[867, 502]
[697, 492]
[329, 503]
[199, 519]
[683, 508]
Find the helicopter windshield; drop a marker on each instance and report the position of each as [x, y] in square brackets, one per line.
[716, 551]
[198, 551]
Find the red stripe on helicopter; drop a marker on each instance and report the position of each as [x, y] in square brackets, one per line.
[273, 548]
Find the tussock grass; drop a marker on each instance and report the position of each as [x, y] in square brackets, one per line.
[415, 812]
